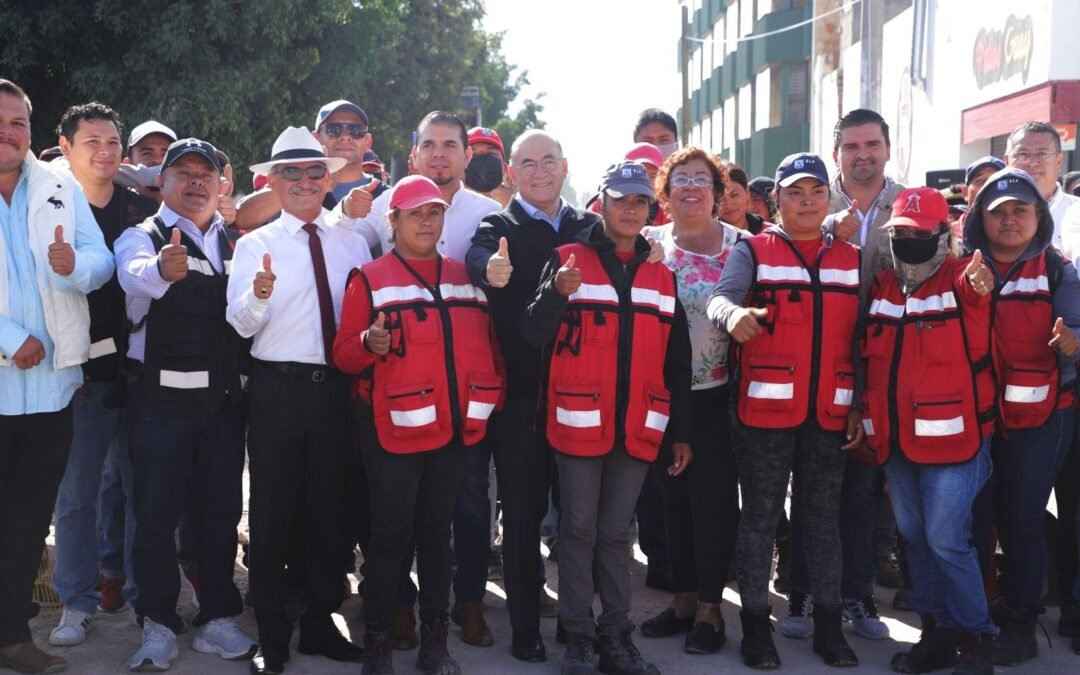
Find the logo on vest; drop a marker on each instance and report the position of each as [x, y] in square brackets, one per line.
[912, 205]
[57, 204]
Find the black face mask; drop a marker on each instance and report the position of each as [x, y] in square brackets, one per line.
[484, 173]
[915, 251]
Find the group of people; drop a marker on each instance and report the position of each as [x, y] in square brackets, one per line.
[691, 334]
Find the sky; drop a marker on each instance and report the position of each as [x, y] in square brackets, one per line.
[600, 62]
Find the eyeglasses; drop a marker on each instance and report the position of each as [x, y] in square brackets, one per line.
[334, 129]
[529, 167]
[1024, 156]
[686, 181]
[912, 233]
[294, 173]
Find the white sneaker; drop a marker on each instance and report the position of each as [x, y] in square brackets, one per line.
[863, 615]
[72, 628]
[799, 623]
[224, 638]
[158, 648]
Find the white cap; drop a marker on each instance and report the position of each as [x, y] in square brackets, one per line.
[146, 128]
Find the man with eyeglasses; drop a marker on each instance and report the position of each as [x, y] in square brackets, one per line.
[1035, 147]
[299, 436]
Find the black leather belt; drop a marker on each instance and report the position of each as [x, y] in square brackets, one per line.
[304, 371]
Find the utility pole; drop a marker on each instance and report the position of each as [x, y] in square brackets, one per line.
[684, 66]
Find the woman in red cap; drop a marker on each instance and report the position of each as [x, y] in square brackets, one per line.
[420, 332]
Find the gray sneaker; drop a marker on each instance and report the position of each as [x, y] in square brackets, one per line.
[863, 615]
[158, 648]
[224, 638]
[799, 623]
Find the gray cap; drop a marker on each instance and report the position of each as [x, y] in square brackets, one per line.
[627, 178]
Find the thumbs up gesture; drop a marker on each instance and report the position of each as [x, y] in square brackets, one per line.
[978, 274]
[377, 338]
[848, 223]
[1064, 339]
[172, 260]
[745, 324]
[61, 255]
[263, 285]
[357, 204]
[499, 267]
[568, 278]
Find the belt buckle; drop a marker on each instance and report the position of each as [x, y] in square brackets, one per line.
[318, 376]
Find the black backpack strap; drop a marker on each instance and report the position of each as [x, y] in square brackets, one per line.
[1055, 268]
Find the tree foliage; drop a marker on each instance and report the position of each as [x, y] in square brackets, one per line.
[236, 73]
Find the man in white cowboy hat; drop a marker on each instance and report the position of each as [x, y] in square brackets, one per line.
[299, 437]
[185, 406]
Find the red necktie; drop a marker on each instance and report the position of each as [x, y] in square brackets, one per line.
[322, 285]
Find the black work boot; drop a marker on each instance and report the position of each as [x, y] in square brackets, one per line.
[935, 649]
[619, 656]
[433, 658]
[578, 659]
[976, 654]
[1015, 643]
[829, 642]
[757, 649]
[378, 652]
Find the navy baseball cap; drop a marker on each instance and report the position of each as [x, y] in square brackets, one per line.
[979, 164]
[334, 106]
[186, 146]
[627, 178]
[801, 165]
[1008, 185]
[761, 186]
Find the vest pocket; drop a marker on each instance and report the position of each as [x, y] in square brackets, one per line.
[938, 420]
[657, 414]
[770, 383]
[484, 392]
[1030, 394]
[843, 389]
[578, 415]
[413, 409]
[874, 414]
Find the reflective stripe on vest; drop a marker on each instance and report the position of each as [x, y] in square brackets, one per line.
[1026, 285]
[479, 410]
[201, 266]
[578, 419]
[949, 427]
[177, 379]
[932, 303]
[648, 296]
[771, 390]
[413, 418]
[783, 273]
[595, 293]
[657, 420]
[1015, 394]
[102, 348]
[839, 277]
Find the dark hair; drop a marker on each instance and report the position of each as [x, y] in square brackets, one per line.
[1070, 180]
[857, 118]
[650, 115]
[737, 174]
[11, 89]
[681, 157]
[1034, 128]
[69, 122]
[447, 118]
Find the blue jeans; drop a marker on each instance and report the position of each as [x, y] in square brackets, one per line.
[472, 526]
[98, 433]
[932, 503]
[116, 514]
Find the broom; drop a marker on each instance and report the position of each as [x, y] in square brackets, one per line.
[44, 593]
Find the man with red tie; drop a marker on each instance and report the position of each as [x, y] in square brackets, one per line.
[298, 437]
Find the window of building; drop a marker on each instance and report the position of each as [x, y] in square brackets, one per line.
[763, 94]
[798, 93]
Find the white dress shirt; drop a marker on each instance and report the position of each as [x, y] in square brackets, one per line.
[1065, 211]
[287, 325]
[467, 209]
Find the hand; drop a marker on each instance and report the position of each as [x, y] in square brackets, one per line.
[225, 187]
[568, 278]
[227, 208]
[31, 353]
[61, 255]
[499, 267]
[656, 251]
[855, 434]
[357, 203]
[1064, 340]
[172, 260]
[83, 394]
[683, 455]
[847, 223]
[263, 285]
[978, 274]
[377, 338]
[746, 325]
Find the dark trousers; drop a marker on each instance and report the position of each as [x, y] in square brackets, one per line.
[652, 538]
[472, 526]
[412, 498]
[524, 466]
[33, 455]
[174, 456]
[1067, 493]
[298, 444]
[701, 506]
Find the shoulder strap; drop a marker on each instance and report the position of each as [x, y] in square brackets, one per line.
[154, 227]
[1055, 268]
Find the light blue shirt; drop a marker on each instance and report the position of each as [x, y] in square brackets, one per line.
[537, 214]
[40, 389]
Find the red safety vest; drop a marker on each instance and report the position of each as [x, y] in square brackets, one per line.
[802, 360]
[607, 366]
[439, 381]
[930, 385]
[1026, 365]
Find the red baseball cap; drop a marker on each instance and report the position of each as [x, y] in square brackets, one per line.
[923, 208]
[485, 135]
[646, 153]
[414, 191]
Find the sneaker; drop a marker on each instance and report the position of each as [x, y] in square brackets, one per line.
[549, 606]
[189, 581]
[72, 628]
[224, 638]
[158, 648]
[112, 595]
[863, 615]
[799, 623]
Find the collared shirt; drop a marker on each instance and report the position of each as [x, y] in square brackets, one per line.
[537, 214]
[467, 209]
[286, 326]
[1066, 222]
[137, 268]
[39, 389]
[866, 214]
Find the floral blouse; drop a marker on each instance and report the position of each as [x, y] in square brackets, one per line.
[697, 276]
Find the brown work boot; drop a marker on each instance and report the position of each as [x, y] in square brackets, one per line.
[474, 630]
[25, 657]
[404, 634]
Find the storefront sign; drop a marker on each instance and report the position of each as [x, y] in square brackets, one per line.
[1000, 54]
[1067, 132]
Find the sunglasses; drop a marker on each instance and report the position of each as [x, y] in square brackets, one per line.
[912, 233]
[335, 129]
[294, 173]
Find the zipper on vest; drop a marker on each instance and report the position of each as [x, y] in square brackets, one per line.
[1028, 370]
[893, 408]
[595, 397]
[928, 404]
[654, 398]
[420, 392]
[790, 369]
